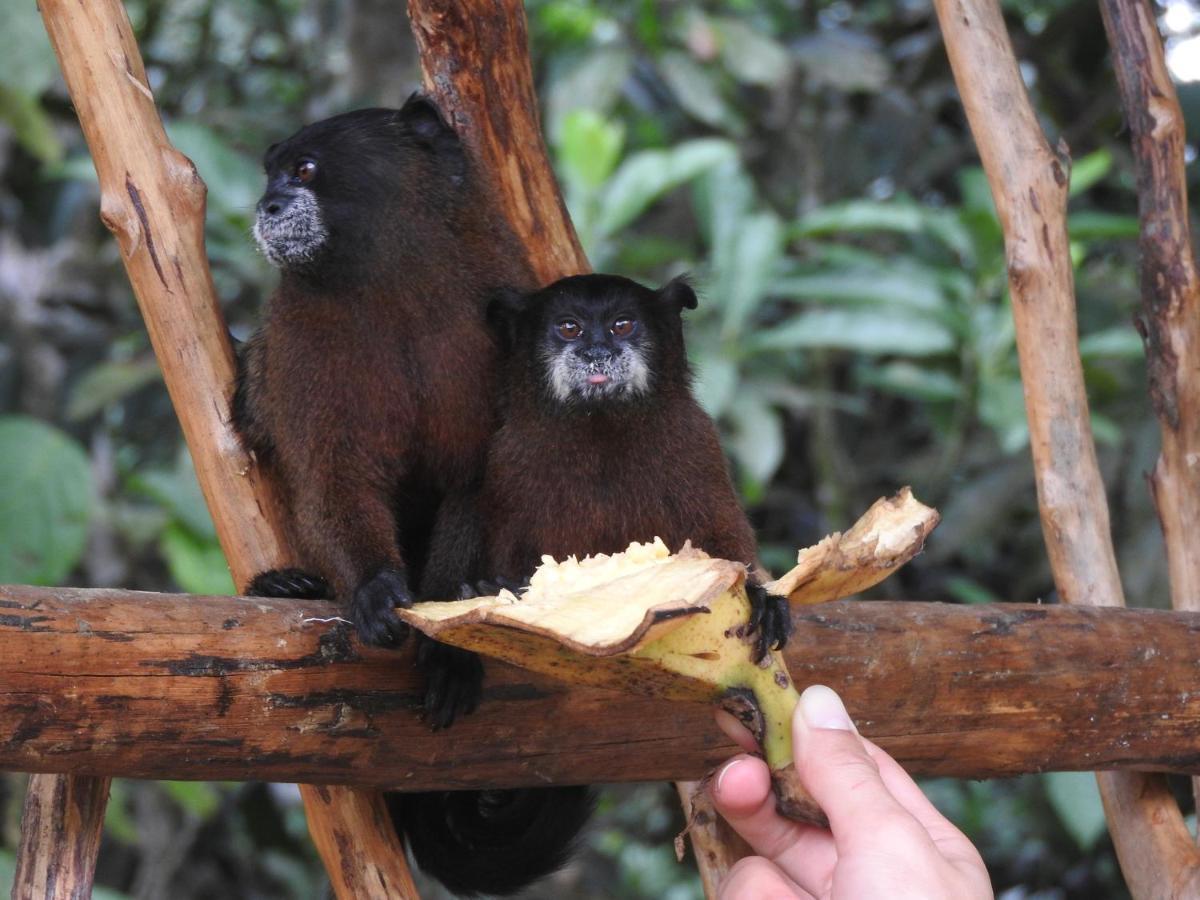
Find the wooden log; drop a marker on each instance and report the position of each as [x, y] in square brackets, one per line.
[105, 682]
[1029, 184]
[1170, 318]
[153, 200]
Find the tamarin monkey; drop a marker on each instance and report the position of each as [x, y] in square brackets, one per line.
[601, 442]
[368, 393]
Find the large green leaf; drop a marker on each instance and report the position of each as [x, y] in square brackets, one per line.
[234, 179]
[757, 440]
[178, 492]
[1076, 799]
[30, 124]
[752, 266]
[646, 176]
[107, 383]
[589, 146]
[45, 502]
[28, 59]
[698, 92]
[196, 563]
[749, 55]
[870, 331]
[910, 286]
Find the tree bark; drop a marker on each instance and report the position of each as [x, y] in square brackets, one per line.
[61, 826]
[1170, 317]
[104, 682]
[153, 200]
[1029, 184]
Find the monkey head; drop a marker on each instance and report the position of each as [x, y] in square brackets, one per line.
[334, 186]
[591, 341]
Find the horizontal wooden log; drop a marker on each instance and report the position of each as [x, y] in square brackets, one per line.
[161, 686]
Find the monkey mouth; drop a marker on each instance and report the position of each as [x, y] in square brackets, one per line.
[293, 237]
[598, 378]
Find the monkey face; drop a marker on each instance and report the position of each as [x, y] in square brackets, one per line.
[595, 340]
[595, 353]
[288, 225]
[336, 186]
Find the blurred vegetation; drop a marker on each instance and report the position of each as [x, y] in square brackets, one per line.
[807, 161]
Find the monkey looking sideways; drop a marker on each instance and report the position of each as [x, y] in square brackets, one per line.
[367, 394]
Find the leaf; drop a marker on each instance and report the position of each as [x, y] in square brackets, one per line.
[1089, 170]
[1002, 408]
[646, 176]
[30, 124]
[234, 179]
[29, 62]
[697, 92]
[844, 60]
[722, 198]
[177, 491]
[591, 81]
[908, 287]
[45, 502]
[862, 215]
[869, 331]
[197, 564]
[757, 249]
[198, 798]
[906, 379]
[716, 381]
[757, 441]
[589, 146]
[1093, 225]
[1122, 342]
[1076, 799]
[751, 57]
[107, 383]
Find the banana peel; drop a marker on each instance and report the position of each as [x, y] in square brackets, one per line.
[674, 626]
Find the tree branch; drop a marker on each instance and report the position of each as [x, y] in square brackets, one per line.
[142, 685]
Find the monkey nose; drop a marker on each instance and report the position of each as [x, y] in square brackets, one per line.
[273, 205]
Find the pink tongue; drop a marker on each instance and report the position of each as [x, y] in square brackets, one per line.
[597, 378]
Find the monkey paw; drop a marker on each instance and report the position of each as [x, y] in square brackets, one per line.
[770, 620]
[373, 607]
[453, 681]
[294, 583]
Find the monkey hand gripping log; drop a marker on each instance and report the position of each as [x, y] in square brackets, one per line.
[647, 622]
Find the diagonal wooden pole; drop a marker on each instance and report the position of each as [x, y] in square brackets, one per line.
[1170, 317]
[475, 58]
[153, 200]
[1029, 184]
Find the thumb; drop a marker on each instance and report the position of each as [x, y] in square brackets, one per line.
[833, 764]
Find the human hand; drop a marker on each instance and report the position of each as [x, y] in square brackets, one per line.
[885, 839]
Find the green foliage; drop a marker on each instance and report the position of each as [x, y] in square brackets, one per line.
[45, 502]
[1076, 799]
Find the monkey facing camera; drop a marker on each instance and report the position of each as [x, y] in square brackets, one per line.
[601, 442]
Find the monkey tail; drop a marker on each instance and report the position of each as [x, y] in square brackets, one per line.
[491, 842]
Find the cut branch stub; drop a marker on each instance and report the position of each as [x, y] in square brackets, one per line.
[646, 622]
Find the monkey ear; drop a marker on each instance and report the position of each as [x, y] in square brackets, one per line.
[504, 306]
[424, 121]
[678, 294]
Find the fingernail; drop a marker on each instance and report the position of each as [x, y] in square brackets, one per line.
[822, 708]
[724, 769]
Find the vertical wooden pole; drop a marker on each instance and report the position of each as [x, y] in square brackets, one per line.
[61, 827]
[1029, 184]
[1170, 317]
[153, 200]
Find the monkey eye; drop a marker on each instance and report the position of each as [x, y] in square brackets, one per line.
[623, 328]
[569, 329]
[305, 171]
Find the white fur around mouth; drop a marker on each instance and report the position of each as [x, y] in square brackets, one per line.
[293, 237]
[571, 379]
